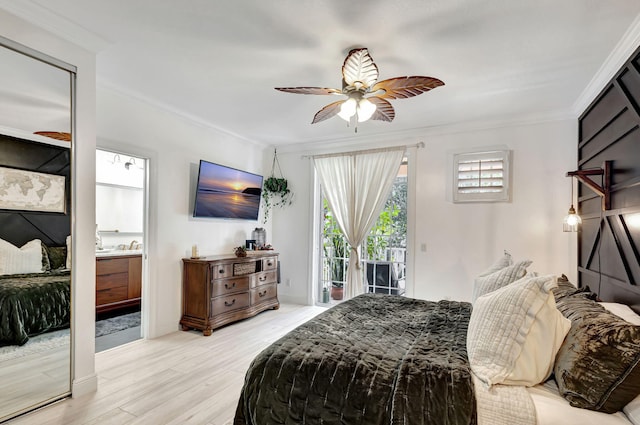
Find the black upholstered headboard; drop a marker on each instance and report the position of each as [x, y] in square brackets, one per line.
[609, 241]
[19, 227]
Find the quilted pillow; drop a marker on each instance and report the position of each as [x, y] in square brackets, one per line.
[598, 366]
[515, 333]
[501, 263]
[496, 280]
[14, 260]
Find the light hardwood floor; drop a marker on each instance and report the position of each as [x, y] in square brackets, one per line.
[180, 378]
[27, 380]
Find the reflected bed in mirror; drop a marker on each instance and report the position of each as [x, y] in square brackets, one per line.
[35, 228]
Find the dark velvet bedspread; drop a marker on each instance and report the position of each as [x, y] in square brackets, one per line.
[375, 359]
[31, 304]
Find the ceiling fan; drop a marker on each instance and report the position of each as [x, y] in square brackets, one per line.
[366, 96]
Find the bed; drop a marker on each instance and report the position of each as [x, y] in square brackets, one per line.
[35, 294]
[386, 359]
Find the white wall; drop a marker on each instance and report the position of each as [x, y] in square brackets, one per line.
[461, 239]
[174, 146]
[83, 191]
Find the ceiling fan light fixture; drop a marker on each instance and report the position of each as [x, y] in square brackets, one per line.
[348, 109]
[360, 79]
[366, 109]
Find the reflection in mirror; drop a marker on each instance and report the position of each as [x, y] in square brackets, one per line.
[35, 227]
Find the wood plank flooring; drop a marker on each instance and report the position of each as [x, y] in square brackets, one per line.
[29, 380]
[180, 378]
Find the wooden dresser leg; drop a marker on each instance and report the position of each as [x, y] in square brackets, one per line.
[207, 332]
[184, 327]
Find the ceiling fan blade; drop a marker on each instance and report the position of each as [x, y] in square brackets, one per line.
[404, 87]
[384, 109]
[358, 67]
[309, 90]
[327, 112]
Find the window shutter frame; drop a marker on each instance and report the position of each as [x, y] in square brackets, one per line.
[482, 176]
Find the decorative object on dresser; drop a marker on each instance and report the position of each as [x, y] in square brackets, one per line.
[240, 251]
[118, 282]
[222, 289]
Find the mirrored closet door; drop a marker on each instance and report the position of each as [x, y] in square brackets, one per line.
[36, 132]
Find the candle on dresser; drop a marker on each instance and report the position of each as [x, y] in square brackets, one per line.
[194, 251]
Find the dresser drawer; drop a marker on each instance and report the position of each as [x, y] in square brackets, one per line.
[263, 278]
[112, 265]
[269, 263]
[229, 286]
[221, 271]
[264, 293]
[229, 303]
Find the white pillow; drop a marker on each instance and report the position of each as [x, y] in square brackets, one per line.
[484, 284]
[501, 263]
[632, 410]
[515, 333]
[14, 260]
[623, 311]
[68, 262]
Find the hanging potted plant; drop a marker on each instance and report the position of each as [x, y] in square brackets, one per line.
[275, 190]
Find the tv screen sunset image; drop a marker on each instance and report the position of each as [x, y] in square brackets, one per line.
[227, 193]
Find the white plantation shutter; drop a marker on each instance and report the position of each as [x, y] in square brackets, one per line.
[481, 176]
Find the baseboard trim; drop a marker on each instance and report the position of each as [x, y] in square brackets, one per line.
[85, 385]
[288, 299]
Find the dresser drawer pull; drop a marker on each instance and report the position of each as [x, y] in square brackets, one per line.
[229, 304]
[226, 286]
[221, 271]
[262, 294]
[262, 278]
[269, 263]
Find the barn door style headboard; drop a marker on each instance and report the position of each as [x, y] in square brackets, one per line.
[609, 241]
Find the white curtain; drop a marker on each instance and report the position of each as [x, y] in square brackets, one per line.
[356, 186]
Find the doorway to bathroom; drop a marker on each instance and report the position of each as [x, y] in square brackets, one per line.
[121, 193]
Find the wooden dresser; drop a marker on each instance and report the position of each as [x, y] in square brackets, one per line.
[221, 289]
[118, 282]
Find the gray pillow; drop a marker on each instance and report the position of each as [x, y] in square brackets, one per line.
[598, 364]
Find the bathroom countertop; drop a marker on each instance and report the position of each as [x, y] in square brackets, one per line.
[117, 252]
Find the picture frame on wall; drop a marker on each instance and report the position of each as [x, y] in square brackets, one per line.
[24, 190]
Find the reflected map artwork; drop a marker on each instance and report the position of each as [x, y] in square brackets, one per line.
[31, 191]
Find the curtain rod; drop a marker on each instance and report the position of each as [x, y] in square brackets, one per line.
[375, 150]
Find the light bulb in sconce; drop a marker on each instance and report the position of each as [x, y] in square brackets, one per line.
[571, 221]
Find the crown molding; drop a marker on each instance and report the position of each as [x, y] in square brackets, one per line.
[105, 85]
[612, 64]
[55, 23]
[422, 133]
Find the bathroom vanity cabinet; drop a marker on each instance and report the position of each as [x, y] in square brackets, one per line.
[118, 281]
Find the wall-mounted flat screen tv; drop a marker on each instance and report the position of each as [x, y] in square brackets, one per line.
[225, 192]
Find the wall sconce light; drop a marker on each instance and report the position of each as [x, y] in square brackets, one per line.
[573, 220]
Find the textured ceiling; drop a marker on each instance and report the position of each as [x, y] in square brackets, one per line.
[218, 62]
